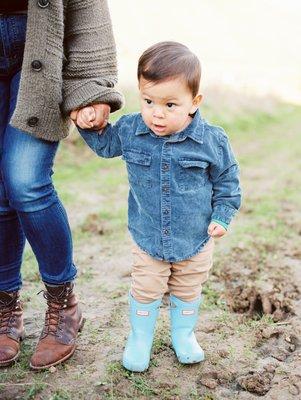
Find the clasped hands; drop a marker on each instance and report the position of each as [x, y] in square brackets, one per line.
[94, 117]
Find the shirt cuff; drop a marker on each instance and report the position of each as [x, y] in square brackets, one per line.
[223, 213]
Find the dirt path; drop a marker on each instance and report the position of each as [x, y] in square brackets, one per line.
[250, 322]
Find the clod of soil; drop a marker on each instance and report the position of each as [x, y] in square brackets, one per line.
[270, 299]
[278, 343]
[93, 224]
[256, 382]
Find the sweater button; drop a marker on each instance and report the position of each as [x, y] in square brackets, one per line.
[36, 65]
[32, 121]
[43, 3]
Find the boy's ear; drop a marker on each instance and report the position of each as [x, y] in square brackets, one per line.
[196, 103]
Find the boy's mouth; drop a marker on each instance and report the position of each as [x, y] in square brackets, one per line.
[159, 128]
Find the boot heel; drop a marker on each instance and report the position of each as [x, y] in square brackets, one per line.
[81, 325]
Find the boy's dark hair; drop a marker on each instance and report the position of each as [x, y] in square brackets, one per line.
[167, 60]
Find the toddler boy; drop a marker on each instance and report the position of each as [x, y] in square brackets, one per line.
[184, 192]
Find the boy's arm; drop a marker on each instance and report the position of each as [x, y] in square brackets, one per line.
[224, 174]
[105, 143]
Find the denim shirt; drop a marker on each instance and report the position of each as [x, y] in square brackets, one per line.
[178, 183]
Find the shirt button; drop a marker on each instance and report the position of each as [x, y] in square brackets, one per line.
[166, 232]
[43, 3]
[166, 211]
[165, 189]
[165, 167]
[32, 121]
[36, 65]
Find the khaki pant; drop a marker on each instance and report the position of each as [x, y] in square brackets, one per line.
[152, 278]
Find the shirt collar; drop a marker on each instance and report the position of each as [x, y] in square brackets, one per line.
[195, 130]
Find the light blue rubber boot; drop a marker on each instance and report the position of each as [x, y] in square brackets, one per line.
[143, 318]
[184, 316]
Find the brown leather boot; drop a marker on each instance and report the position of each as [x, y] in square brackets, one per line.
[11, 327]
[63, 321]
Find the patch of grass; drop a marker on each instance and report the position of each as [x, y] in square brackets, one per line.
[253, 324]
[162, 336]
[212, 298]
[22, 365]
[115, 368]
[60, 395]
[120, 291]
[86, 274]
[142, 385]
[208, 396]
[93, 332]
[249, 354]
[34, 390]
[226, 318]
[116, 316]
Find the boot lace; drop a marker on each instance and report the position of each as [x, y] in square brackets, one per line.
[6, 315]
[53, 317]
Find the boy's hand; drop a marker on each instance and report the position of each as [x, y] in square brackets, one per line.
[215, 230]
[91, 117]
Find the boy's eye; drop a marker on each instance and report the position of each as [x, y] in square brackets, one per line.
[170, 105]
[148, 101]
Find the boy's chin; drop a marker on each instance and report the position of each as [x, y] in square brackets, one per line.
[162, 133]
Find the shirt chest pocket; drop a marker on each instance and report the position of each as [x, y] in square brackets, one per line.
[139, 168]
[193, 174]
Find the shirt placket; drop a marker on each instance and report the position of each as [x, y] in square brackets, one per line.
[165, 199]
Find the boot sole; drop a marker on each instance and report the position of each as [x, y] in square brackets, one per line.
[11, 361]
[183, 360]
[35, 368]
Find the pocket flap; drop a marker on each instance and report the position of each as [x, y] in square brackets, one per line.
[193, 163]
[136, 157]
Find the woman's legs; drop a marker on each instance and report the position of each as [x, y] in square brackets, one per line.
[29, 207]
[12, 238]
[26, 170]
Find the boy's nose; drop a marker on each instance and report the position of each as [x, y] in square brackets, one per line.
[158, 112]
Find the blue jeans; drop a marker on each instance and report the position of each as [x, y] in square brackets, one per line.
[29, 206]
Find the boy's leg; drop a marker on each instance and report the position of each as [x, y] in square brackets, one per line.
[149, 283]
[185, 286]
[188, 276]
[26, 166]
[149, 276]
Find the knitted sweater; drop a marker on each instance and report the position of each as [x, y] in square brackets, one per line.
[69, 62]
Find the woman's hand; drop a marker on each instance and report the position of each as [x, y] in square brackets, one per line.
[215, 230]
[93, 117]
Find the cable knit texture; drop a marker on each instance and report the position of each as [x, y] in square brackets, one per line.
[73, 40]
